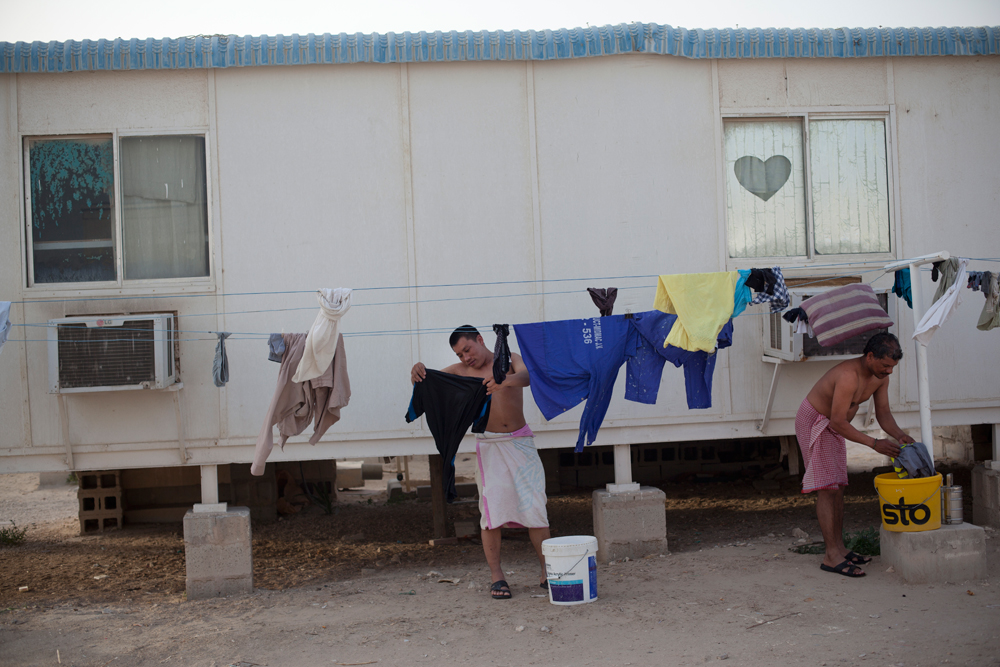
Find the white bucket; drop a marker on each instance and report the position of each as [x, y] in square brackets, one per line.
[571, 568]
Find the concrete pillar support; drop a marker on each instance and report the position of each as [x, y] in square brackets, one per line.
[217, 553]
[630, 524]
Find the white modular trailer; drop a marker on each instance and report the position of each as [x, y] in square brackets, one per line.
[473, 178]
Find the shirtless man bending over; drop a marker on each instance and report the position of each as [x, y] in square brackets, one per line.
[509, 473]
[821, 426]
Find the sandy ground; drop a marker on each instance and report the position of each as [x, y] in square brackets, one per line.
[352, 588]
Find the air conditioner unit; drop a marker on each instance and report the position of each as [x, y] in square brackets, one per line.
[111, 352]
[781, 341]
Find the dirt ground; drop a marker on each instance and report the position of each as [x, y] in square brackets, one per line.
[352, 588]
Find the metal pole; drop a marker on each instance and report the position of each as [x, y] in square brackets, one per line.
[923, 380]
[209, 485]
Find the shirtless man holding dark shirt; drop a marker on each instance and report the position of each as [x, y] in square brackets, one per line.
[506, 417]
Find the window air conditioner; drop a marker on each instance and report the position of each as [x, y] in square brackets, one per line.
[112, 352]
[781, 342]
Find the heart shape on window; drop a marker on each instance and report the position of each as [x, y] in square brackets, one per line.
[763, 178]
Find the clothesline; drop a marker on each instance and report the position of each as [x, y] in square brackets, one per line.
[467, 298]
[262, 335]
[440, 285]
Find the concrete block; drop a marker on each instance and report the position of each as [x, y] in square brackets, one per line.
[630, 524]
[986, 496]
[47, 479]
[217, 553]
[952, 553]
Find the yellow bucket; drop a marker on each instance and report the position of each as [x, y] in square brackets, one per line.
[909, 505]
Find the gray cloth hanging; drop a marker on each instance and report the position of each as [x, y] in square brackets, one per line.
[220, 365]
[275, 347]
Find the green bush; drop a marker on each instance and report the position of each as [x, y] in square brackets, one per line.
[864, 542]
[12, 536]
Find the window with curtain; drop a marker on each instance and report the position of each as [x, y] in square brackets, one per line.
[164, 207]
[766, 186]
[77, 227]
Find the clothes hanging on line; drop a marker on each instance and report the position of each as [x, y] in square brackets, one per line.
[297, 404]
[778, 296]
[604, 299]
[4, 322]
[948, 269]
[758, 281]
[511, 481]
[703, 303]
[742, 295]
[902, 288]
[451, 404]
[803, 327]
[975, 279]
[501, 353]
[990, 317]
[795, 315]
[936, 270]
[571, 361]
[275, 347]
[844, 312]
[644, 370]
[321, 341]
[942, 308]
[220, 365]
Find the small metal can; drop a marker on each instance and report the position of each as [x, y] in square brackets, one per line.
[953, 505]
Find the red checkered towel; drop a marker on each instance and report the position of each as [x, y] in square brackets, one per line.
[844, 312]
[824, 451]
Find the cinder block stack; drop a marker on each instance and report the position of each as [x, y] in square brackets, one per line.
[100, 496]
[986, 496]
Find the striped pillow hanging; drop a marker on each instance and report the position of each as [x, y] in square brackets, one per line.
[844, 312]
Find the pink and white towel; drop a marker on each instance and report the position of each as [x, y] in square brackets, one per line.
[511, 481]
[824, 451]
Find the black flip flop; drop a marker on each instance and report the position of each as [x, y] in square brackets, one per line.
[499, 586]
[544, 584]
[857, 559]
[847, 568]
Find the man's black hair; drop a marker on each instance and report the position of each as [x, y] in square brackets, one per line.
[464, 331]
[884, 346]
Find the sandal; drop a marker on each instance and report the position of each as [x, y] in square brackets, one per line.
[544, 584]
[847, 568]
[502, 588]
[857, 559]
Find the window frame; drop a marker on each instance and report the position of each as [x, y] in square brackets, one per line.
[885, 113]
[120, 284]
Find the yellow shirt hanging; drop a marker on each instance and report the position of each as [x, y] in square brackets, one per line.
[703, 303]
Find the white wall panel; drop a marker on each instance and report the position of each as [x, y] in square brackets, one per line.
[103, 101]
[311, 185]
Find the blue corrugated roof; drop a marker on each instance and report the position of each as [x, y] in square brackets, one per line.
[232, 51]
